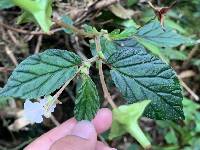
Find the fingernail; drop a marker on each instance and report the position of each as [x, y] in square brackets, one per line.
[83, 129]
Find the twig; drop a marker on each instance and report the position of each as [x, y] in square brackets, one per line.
[4, 69]
[28, 32]
[66, 83]
[187, 74]
[97, 5]
[191, 54]
[104, 87]
[93, 59]
[104, 3]
[10, 33]
[195, 96]
[53, 119]
[39, 42]
[107, 95]
[11, 55]
[79, 32]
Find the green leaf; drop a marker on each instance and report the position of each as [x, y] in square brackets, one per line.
[39, 10]
[107, 46]
[153, 33]
[129, 23]
[170, 137]
[125, 119]
[6, 4]
[173, 54]
[41, 74]
[69, 21]
[131, 2]
[89, 29]
[128, 32]
[25, 17]
[4, 101]
[139, 75]
[87, 100]
[152, 47]
[169, 22]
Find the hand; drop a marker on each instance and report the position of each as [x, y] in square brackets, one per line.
[73, 135]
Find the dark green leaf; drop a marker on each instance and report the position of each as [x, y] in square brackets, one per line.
[41, 74]
[139, 76]
[87, 101]
[153, 33]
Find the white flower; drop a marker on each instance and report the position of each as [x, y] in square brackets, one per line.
[49, 104]
[35, 111]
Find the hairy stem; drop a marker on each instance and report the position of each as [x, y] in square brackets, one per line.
[75, 30]
[138, 134]
[91, 60]
[66, 84]
[107, 95]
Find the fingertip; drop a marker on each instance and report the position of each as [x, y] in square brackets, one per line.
[47, 139]
[103, 120]
[84, 129]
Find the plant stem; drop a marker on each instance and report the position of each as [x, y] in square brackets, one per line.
[107, 95]
[75, 30]
[93, 59]
[138, 134]
[66, 84]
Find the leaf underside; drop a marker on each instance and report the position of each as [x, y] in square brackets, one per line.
[41, 74]
[139, 75]
[87, 101]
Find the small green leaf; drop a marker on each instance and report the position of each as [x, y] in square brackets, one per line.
[6, 4]
[126, 33]
[170, 137]
[25, 17]
[69, 21]
[87, 101]
[107, 47]
[153, 33]
[131, 2]
[41, 74]
[139, 75]
[38, 10]
[89, 29]
[125, 119]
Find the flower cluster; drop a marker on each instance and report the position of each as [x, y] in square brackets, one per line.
[34, 111]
